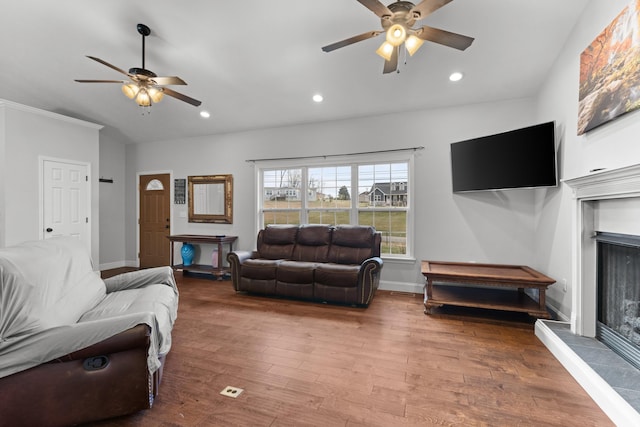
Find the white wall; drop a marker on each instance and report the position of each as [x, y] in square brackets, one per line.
[112, 206]
[482, 227]
[28, 134]
[610, 146]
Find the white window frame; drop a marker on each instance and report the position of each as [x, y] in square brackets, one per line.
[330, 161]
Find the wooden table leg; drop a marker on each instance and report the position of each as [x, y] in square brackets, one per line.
[428, 295]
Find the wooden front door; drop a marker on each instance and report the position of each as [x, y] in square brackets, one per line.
[155, 220]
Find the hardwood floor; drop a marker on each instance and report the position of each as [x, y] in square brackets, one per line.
[303, 364]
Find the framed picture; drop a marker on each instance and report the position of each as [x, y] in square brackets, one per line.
[610, 71]
[179, 191]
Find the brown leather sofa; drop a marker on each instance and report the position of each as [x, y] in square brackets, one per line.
[337, 264]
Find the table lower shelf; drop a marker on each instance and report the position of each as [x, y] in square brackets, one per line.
[203, 268]
[490, 298]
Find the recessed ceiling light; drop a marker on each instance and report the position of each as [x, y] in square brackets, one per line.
[205, 114]
[317, 98]
[457, 76]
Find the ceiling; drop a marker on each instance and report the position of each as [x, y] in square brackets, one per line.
[256, 63]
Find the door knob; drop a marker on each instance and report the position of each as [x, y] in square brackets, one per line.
[166, 226]
[49, 230]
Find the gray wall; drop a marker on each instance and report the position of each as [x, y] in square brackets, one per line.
[610, 146]
[482, 227]
[112, 206]
[27, 134]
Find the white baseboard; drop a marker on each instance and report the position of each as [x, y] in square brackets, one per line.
[616, 408]
[414, 288]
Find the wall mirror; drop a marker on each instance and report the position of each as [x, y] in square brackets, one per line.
[211, 199]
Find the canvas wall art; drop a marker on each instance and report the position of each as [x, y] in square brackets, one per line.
[610, 71]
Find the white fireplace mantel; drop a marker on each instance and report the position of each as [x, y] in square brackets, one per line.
[603, 185]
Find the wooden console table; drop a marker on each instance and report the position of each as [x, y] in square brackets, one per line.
[480, 287]
[218, 271]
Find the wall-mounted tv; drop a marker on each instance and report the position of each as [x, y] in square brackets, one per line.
[521, 158]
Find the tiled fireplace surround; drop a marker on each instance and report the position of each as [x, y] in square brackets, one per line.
[603, 201]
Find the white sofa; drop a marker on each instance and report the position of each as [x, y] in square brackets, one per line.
[75, 348]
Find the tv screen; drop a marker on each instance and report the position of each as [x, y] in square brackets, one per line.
[521, 158]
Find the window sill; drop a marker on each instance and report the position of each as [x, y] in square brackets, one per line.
[398, 260]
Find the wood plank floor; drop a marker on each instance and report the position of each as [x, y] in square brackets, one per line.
[307, 364]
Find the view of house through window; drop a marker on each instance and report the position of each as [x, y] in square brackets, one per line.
[375, 194]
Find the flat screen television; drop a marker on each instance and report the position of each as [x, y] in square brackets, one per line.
[521, 158]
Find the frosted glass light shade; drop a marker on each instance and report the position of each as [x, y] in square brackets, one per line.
[143, 99]
[385, 50]
[130, 90]
[412, 44]
[156, 94]
[396, 34]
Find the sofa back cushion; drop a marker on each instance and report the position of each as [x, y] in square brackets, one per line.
[353, 244]
[44, 284]
[312, 243]
[277, 241]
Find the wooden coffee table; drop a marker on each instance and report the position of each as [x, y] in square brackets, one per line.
[491, 286]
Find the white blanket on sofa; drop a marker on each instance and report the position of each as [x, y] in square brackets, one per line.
[52, 303]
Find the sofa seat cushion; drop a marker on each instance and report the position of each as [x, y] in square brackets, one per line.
[296, 272]
[339, 275]
[156, 299]
[260, 269]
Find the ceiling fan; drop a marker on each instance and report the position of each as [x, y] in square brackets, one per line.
[144, 86]
[397, 21]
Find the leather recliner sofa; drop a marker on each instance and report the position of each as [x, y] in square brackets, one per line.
[75, 348]
[337, 264]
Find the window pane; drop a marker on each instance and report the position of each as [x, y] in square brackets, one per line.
[282, 188]
[328, 217]
[330, 187]
[383, 185]
[281, 217]
[393, 226]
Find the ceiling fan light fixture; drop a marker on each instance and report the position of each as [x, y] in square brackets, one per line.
[385, 50]
[130, 90]
[396, 34]
[413, 43]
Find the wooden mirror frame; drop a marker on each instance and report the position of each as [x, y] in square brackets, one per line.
[223, 218]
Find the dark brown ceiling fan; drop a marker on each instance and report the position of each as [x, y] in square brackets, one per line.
[397, 21]
[144, 86]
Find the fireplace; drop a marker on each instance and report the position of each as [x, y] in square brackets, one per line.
[618, 294]
[605, 203]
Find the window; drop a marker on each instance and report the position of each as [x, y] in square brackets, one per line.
[365, 193]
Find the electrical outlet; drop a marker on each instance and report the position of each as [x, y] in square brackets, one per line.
[564, 285]
[231, 391]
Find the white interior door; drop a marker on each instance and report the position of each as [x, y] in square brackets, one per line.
[65, 200]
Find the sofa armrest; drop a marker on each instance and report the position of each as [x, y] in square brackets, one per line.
[141, 278]
[369, 278]
[138, 336]
[235, 259]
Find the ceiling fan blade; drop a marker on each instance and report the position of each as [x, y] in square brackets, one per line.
[171, 80]
[351, 40]
[427, 7]
[113, 67]
[102, 81]
[376, 7]
[181, 97]
[446, 38]
[391, 65]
